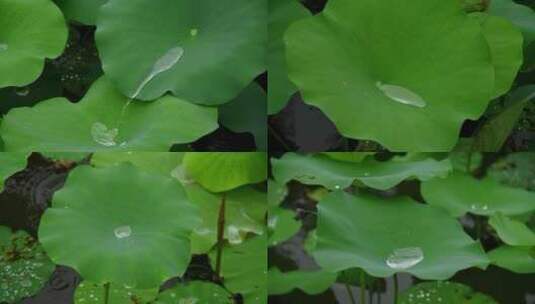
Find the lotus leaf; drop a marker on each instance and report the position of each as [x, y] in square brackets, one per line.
[24, 267]
[443, 292]
[106, 120]
[276, 193]
[311, 282]
[245, 211]
[397, 64]
[244, 269]
[520, 15]
[83, 11]
[211, 50]
[281, 225]
[354, 157]
[282, 13]
[516, 170]
[247, 113]
[195, 292]
[511, 231]
[163, 163]
[88, 293]
[220, 171]
[514, 258]
[10, 163]
[142, 236]
[486, 196]
[381, 248]
[333, 174]
[32, 30]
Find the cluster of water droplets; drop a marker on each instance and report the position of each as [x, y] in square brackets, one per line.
[405, 258]
[479, 207]
[401, 94]
[180, 173]
[104, 136]
[122, 232]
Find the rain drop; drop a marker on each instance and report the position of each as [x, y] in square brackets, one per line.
[401, 95]
[193, 32]
[3, 47]
[272, 222]
[104, 136]
[403, 258]
[122, 232]
[23, 91]
[233, 234]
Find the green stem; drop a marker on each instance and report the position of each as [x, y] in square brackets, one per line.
[362, 287]
[396, 288]
[350, 293]
[106, 293]
[220, 235]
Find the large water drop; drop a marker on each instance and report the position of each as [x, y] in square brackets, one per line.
[404, 258]
[122, 232]
[104, 136]
[3, 47]
[164, 63]
[401, 95]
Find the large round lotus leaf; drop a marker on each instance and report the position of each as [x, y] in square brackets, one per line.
[247, 113]
[443, 292]
[205, 51]
[281, 14]
[520, 15]
[505, 42]
[195, 292]
[31, 30]
[10, 163]
[245, 212]
[140, 221]
[24, 266]
[84, 11]
[511, 231]
[517, 259]
[244, 269]
[390, 236]
[163, 163]
[335, 174]
[104, 120]
[282, 225]
[223, 171]
[391, 71]
[89, 293]
[460, 193]
[310, 282]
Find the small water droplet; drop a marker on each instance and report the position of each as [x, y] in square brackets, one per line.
[272, 222]
[180, 173]
[122, 232]
[403, 258]
[3, 47]
[22, 91]
[401, 95]
[233, 235]
[193, 32]
[104, 136]
[337, 187]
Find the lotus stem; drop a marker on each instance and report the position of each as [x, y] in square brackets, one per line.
[220, 236]
[350, 294]
[396, 288]
[362, 287]
[106, 293]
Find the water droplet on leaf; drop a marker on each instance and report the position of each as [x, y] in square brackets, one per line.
[104, 136]
[403, 258]
[3, 47]
[193, 32]
[122, 232]
[23, 91]
[233, 235]
[401, 95]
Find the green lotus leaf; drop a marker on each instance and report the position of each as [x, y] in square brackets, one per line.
[486, 196]
[516, 170]
[505, 42]
[514, 258]
[164, 163]
[378, 245]
[24, 266]
[520, 15]
[443, 292]
[83, 11]
[282, 225]
[412, 90]
[32, 30]
[244, 269]
[277, 192]
[142, 236]
[195, 292]
[204, 51]
[10, 163]
[282, 13]
[89, 293]
[245, 212]
[247, 113]
[310, 282]
[511, 231]
[333, 174]
[104, 120]
[221, 171]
